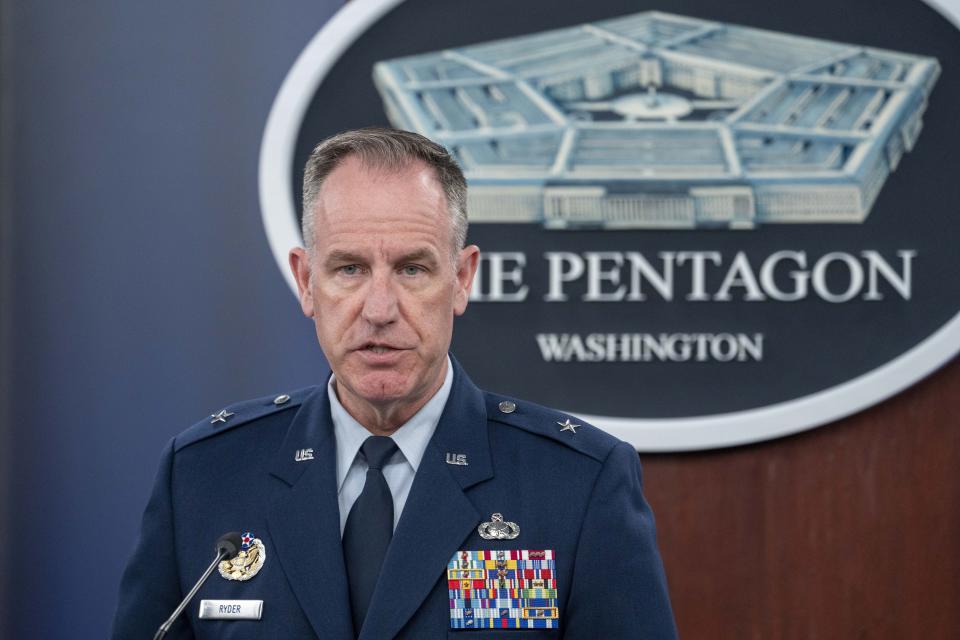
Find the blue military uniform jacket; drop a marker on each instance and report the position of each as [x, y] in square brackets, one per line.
[576, 492]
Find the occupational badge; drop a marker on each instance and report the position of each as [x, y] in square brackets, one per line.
[247, 562]
[503, 589]
[497, 529]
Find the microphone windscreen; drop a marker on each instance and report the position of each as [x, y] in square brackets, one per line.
[229, 543]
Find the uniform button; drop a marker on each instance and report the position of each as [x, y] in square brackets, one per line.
[281, 399]
[508, 407]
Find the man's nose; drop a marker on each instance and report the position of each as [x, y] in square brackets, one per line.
[380, 304]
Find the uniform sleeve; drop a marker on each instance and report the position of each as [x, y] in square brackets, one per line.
[150, 588]
[618, 589]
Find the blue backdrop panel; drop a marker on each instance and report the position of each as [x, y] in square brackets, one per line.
[143, 288]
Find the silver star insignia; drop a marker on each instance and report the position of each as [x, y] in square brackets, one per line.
[220, 416]
[568, 426]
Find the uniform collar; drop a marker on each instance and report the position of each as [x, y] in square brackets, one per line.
[411, 438]
[304, 516]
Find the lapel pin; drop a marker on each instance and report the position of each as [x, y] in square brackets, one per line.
[220, 416]
[498, 529]
[248, 562]
[303, 454]
[568, 426]
[457, 458]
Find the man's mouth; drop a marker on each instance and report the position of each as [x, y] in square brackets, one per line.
[378, 348]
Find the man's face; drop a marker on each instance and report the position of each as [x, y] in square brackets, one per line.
[382, 284]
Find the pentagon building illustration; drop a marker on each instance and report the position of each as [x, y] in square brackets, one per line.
[663, 121]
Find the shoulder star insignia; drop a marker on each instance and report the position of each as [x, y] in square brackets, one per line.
[220, 416]
[568, 426]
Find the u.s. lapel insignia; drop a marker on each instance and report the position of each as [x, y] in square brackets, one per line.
[457, 459]
[497, 529]
[248, 562]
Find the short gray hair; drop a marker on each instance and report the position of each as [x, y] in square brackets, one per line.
[391, 149]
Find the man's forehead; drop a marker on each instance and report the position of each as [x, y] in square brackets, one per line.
[357, 200]
[355, 171]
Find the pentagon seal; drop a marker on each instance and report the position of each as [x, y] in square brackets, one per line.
[247, 562]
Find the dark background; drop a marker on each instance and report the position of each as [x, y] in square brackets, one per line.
[139, 295]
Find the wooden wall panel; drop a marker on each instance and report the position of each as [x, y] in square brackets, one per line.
[851, 530]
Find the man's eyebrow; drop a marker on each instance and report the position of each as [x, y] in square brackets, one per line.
[419, 255]
[338, 257]
[341, 257]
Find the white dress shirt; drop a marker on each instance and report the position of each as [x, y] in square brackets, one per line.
[411, 438]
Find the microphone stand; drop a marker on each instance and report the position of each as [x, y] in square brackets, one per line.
[162, 631]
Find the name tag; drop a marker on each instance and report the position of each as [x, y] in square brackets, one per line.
[231, 609]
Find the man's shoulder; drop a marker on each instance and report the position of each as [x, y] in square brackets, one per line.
[239, 414]
[554, 425]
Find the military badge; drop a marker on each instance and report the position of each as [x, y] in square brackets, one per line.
[248, 561]
[497, 529]
[503, 589]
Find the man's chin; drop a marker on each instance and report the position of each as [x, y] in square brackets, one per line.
[382, 388]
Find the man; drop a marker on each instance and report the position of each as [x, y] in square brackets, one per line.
[398, 500]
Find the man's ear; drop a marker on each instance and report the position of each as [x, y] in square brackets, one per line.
[467, 263]
[300, 266]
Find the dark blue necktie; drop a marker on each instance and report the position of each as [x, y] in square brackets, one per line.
[369, 529]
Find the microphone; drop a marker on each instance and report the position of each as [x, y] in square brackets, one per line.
[228, 546]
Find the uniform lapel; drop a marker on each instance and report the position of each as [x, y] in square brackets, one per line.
[437, 516]
[305, 521]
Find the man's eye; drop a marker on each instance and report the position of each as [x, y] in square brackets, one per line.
[412, 270]
[350, 270]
